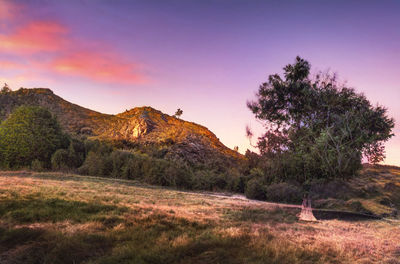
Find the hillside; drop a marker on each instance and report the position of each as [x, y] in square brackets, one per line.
[140, 125]
[375, 191]
[60, 218]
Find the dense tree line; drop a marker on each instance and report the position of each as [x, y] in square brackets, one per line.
[32, 138]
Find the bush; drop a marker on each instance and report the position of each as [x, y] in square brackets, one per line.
[337, 189]
[179, 175]
[236, 182]
[96, 165]
[154, 172]
[256, 173]
[71, 158]
[98, 161]
[119, 159]
[76, 152]
[98, 146]
[140, 167]
[204, 180]
[284, 192]
[30, 133]
[151, 170]
[255, 189]
[60, 160]
[133, 167]
[37, 165]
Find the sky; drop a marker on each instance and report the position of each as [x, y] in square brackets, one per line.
[207, 57]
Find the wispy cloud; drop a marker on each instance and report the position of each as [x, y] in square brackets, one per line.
[98, 66]
[50, 47]
[9, 10]
[35, 36]
[5, 64]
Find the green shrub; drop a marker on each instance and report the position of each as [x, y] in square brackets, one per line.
[132, 169]
[96, 165]
[337, 189]
[37, 165]
[284, 192]
[76, 152]
[71, 158]
[98, 161]
[179, 175]
[202, 180]
[255, 189]
[98, 146]
[60, 160]
[256, 173]
[236, 182]
[154, 172]
[119, 159]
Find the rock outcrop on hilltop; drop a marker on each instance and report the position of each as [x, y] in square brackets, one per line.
[140, 126]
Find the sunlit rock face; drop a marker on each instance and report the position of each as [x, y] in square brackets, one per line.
[141, 128]
[139, 125]
[131, 129]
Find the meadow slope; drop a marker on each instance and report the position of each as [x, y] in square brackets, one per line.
[60, 218]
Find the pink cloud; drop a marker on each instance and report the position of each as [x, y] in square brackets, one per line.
[98, 66]
[9, 10]
[36, 36]
[49, 47]
[68, 56]
[10, 65]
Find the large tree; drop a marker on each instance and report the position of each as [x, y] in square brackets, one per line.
[323, 127]
[29, 133]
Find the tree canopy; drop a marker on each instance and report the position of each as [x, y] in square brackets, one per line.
[322, 126]
[30, 133]
[178, 113]
[5, 89]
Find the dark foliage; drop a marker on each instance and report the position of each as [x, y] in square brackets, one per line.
[284, 192]
[317, 128]
[256, 189]
[178, 113]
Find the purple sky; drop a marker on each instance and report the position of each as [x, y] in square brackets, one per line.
[206, 57]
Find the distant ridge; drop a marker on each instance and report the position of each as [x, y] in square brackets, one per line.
[139, 125]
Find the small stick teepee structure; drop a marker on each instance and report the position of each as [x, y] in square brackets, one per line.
[306, 211]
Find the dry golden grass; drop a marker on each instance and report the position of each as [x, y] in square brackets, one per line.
[269, 233]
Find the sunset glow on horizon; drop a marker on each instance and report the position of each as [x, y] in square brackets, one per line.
[206, 57]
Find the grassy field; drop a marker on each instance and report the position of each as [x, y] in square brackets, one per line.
[59, 218]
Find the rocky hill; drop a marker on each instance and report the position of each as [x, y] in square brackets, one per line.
[140, 126]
